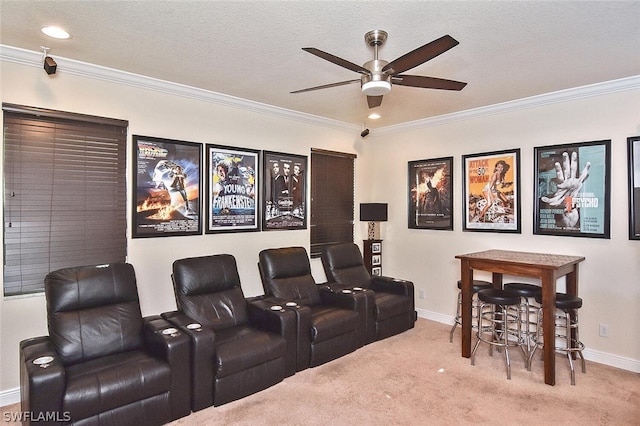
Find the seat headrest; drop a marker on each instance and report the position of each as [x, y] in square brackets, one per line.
[284, 262]
[86, 287]
[206, 274]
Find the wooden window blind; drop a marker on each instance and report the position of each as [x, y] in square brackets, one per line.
[64, 194]
[332, 199]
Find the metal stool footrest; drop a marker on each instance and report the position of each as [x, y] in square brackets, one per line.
[567, 321]
[477, 285]
[499, 316]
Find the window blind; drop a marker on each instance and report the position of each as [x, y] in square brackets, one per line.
[332, 199]
[64, 194]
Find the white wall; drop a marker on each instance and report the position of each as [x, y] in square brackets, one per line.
[608, 280]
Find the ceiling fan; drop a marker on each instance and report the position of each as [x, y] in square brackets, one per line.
[378, 75]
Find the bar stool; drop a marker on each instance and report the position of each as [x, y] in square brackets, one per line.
[476, 286]
[529, 312]
[499, 318]
[567, 321]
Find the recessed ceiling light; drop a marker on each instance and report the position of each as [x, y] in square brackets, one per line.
[56, 32]
[374, 116]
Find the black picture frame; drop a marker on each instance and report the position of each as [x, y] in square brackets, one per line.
[430, 197]
[491, 192]
[233, 189]
[577, 206]
[166, 187]
[633, 154]
[284, 204]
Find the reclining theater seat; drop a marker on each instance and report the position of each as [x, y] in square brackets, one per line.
[102, 363]
[328, 324]
[391, 310]
[238, 348]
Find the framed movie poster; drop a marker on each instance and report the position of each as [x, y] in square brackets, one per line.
[285, 199]
[430, 194]
[491, 191]
[166, 187]
[232, 189]
[634, 187]
[572, 193]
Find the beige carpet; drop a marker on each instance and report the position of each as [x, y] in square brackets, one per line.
[419, 378]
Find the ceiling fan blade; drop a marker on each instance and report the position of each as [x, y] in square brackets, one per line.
[427, 82]
[338, 61]
[374, 101]
[326, 86]
[420, 55]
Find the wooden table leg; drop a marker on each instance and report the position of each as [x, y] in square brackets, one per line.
[466, 274]
[572, 289]
[549, 325]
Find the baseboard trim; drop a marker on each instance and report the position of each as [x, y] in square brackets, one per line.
[612, 360]
[9, 397]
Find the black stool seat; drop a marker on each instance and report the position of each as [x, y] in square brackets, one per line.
[564, 301]
[523, 289]
[477, 285]
[499, 297]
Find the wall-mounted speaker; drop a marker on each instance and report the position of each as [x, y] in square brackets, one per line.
[50, 65]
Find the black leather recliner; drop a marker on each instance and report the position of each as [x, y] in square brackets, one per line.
[328, 323]
[102, 363]
[391, 307]
[238, 348]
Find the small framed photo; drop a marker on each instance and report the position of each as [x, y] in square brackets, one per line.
[377, 271]
[166, 187]
[634, 187]
[285, 195]
[491, 187]
[572, 192]
[376, 247]
[376, 260]
[232, 189]
[430, 194]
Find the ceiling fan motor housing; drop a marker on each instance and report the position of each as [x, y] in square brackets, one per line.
[377, 83]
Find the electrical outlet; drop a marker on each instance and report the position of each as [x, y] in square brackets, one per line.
[421, 293]
[604, 330]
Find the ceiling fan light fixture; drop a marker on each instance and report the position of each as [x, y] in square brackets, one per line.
[376, 87]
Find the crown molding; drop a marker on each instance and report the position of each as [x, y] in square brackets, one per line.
[598, 89]
[31, 58]
[83, 69]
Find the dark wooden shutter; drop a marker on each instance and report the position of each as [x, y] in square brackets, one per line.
[64, 194]
[332, 199]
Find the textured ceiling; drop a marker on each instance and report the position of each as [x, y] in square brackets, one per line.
[252, 50]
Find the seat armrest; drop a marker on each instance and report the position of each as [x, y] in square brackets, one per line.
[335, 297]
[351, 300]
[282, 322]
[392, 285]
[174, 349]
[201, 358]
[42, 386]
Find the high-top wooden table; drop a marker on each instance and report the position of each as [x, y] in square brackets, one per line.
[546, 267]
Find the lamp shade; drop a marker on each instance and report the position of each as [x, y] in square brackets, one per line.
[373, 212]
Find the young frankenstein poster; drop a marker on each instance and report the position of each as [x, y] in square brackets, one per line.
[232, 189]
[572, 189]
[430, 186]
[167, 198]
